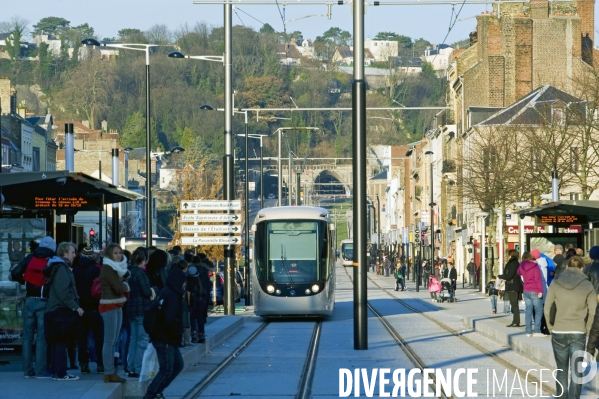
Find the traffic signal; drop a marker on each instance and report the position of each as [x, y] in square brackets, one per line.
[92, 233]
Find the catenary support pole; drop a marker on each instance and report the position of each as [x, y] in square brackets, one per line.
[148, 209]
[228, 161]
[359, 182]
[246, 269]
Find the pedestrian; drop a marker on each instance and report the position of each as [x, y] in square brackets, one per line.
[114, 287]
[36, 300]
[434, 287]
[400, 271]
[533, 293]
[86, 269]
[471, 267]
[452, 274]
[500, 285]
[543, 263]
[493, 292]
[560, 267]
[194, 290]
[139, 300]
[575, 302]
[157, 269]
[426, 272]
[513, 285]
[205, 266]
[592, 271]
[167, 337]
[63, 311]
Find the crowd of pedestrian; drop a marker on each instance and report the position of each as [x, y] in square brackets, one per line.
[93, 305]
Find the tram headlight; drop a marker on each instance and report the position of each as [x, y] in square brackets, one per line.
[308, 292]
[315, 288]
[270, 289]
[278, 292]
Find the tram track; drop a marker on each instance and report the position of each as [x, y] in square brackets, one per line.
[405, 347]
[494, 356]
[307, 374]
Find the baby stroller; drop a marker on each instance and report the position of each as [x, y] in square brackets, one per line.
[447, 293]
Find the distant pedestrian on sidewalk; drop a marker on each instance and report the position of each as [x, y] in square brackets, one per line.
[471, 272]
[533, 293]
[493, 292]
[513, 286]
[400, 272]
[500, 285]
[576, 302]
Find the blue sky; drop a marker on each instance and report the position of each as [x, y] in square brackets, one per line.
[109, 16]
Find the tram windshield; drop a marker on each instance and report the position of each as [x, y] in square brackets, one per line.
[347, 250]
[291, 251]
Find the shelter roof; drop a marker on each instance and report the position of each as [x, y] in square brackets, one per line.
[20, 189]
[590, 209]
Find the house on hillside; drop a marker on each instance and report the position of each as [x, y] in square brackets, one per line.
[345, 55]
[438, 56]
[288, 54]
[44, 146]
[53, 41]
[382, 49]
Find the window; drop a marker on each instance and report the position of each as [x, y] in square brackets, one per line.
[574, 197]
[557, 116]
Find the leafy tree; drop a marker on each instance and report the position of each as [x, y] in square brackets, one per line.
[53, 25]
[267, 29]
[134, 132]
[13, 46]
[132, 35]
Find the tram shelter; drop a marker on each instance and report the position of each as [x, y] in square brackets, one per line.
[36, 204]
[572, 222]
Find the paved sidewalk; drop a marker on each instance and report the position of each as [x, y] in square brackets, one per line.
[474, 308]
[92, 386]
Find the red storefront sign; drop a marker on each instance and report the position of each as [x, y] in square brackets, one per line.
[542, 229]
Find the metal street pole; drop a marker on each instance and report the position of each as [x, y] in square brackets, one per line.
[379, 245]
[280, 172]
[261, 176]
[359, 182]
[228, 161]
[483, 266]
[246, 274]
[115, 205]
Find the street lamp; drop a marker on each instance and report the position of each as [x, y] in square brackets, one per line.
[520, 206]
[432, 205]
[483, 267]
[146, 48]
[499, 212]
[378, 228]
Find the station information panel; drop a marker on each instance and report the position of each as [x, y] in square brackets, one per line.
[74, 202]
[565, 220]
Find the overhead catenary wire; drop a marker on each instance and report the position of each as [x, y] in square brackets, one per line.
[251, 16]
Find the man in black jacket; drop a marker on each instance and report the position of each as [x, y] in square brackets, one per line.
[167, 338]
[85, 270]
[513, 285]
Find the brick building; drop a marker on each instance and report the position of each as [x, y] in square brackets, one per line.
[518, 47]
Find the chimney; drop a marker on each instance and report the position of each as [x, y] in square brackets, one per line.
[104, 126]
[86, 124]
[5, 95]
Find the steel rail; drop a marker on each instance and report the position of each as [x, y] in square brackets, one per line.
[305, 387]
[195, 391]
[482, 349]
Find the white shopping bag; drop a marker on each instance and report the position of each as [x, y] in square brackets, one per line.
[149, 365]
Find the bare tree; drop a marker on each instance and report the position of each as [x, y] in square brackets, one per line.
[159, 34]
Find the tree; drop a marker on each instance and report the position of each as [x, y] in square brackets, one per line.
[325, 45]
[134, 132]
[53, 25]
[13, 45]
[15, 24]
[159, 34]
[267, 29]
[132, 35]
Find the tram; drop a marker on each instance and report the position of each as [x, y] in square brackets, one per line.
[347, 252]
[294, 262]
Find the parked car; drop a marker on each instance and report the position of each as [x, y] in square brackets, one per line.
[271, 196]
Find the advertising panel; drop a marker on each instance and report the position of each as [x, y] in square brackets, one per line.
[15, 235]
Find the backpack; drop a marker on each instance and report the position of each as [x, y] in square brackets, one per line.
[33, 274]
[96, 290]
[153, 315]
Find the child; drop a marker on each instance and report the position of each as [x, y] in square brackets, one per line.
[434, 287]
[507, 308]
[493, 292]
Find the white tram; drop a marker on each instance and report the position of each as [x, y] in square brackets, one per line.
[347, 252]
[293, 262]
